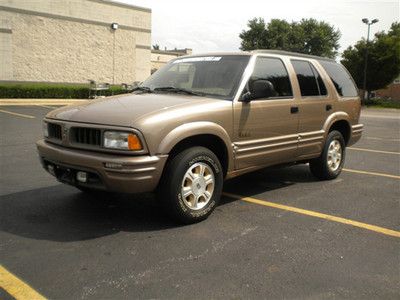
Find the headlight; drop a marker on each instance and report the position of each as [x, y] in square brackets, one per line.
[45, 129]
[122, 140]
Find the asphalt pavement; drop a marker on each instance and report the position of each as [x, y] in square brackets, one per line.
[294, 237]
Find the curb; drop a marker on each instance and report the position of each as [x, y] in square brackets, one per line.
[33, 102]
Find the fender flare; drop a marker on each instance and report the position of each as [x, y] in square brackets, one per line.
[337, 116]
[188, 130]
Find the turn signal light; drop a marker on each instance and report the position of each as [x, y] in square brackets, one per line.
[134, 142]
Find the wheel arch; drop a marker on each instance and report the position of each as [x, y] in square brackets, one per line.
[339, 121]
[206, 134]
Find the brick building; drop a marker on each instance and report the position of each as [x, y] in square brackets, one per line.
[391, 92]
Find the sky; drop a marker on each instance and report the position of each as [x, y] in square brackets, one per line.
[208, 26]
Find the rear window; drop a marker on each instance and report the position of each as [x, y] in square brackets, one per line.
[341, 79]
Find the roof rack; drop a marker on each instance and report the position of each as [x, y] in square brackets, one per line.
[282, 52]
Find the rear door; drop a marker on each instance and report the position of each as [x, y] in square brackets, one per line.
[315, 105]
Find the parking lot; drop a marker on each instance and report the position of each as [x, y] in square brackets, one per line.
[278, 233]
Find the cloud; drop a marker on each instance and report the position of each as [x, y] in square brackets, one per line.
[208, 26]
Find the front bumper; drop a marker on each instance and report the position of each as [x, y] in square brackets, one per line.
[135, 174]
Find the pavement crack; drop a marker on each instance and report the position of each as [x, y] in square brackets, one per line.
[123, 282]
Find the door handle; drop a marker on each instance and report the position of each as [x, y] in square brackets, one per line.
[294, 110]
[328, 107]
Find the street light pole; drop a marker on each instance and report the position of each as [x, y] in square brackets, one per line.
[366, 21]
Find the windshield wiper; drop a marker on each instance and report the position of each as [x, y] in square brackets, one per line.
[144, 89]
[177, 90]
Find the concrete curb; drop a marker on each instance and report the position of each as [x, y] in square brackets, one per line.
[28, 102]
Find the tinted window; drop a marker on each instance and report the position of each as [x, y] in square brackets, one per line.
[273, 70]
[341, 79]
[321, 84]
[310, 81]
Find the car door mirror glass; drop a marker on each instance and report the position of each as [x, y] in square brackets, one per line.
[258, 89]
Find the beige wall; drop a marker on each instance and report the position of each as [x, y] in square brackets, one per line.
[71, 41]
[6, 69]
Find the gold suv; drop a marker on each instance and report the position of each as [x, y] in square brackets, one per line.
[202, 119]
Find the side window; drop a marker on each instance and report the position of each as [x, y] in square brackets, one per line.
[341, 78]
[310, 81]
[273, 70]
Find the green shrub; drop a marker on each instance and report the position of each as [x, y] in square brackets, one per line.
[48, 90]
[384, 103]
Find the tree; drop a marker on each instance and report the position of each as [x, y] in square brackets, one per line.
[308, 36]
[156, 47]
[255, 37]
[383, 59]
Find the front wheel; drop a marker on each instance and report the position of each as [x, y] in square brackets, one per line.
[191, 185]
[330, 164]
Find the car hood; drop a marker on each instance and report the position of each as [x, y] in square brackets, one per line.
[124, 110]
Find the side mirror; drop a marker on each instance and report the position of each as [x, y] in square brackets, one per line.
[258, 89]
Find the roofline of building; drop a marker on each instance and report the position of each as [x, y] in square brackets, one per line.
[68, 18]
[124, 5]
[169, 52]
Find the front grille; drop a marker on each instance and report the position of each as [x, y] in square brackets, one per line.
[54, 131]
[88, 136]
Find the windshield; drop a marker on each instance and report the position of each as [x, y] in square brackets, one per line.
[214, 76]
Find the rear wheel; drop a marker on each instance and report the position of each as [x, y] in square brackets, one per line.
[191, 185]
[330, 164]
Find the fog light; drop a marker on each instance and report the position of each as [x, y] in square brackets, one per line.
[51, 170]
[81, 176]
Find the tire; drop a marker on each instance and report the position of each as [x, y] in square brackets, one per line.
[330, 164]
[191, 185]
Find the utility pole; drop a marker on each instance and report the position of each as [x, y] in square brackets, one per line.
[367, 22]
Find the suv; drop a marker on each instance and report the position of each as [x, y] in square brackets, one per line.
[203, 119]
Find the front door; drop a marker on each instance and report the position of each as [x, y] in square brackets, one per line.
[265, 130]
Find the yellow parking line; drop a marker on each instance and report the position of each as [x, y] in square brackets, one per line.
[17, 114]
[371, 150]
[315, 214]
[16, 287]
[372, 173]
